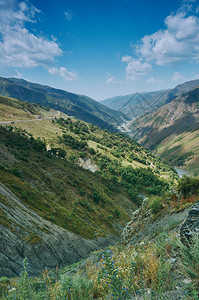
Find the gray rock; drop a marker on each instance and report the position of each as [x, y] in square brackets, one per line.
[191, 224]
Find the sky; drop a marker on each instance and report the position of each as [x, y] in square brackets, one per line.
[100, 48]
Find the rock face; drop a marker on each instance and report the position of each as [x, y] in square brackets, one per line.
[87, 164]
[23, 233]
[191, 224]
[142, 224]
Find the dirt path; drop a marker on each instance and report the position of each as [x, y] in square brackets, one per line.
[31, 120]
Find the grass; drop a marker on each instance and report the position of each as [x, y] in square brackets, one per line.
[119, 273]
[62, 192]
[50, 132]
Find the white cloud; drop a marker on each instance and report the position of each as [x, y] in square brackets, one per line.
[110, 78]
[69, 15]
[152, 80]
[64, 73]
[178, 42]
[177, 76]
[18, 46]
[135, 68]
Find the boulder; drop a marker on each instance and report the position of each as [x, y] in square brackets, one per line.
[190, 225]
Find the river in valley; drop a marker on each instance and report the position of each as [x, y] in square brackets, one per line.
[181, 172]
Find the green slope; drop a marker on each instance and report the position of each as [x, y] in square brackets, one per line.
[54, 185]
[172, 131]
[82, 107]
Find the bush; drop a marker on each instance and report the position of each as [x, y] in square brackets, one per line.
[188, 186]
[156, 205]
[76, 288]
[23, 289]
[96, 197]
[4, 282]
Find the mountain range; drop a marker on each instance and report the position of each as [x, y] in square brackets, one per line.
[79, 106]
[137, 104]
[68, 188]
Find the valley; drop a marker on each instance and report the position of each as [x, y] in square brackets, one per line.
[69, 189]
[99, 150]
[170, 129]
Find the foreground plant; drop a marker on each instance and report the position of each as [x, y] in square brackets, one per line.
[188, 254]
[23, 289]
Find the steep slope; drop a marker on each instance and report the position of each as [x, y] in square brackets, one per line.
[51, 210]
[82, 107]
[181, 89]
[47, 199]
[24, 233]
[152, 262]
[134, 105]
[138, 104]
[172, 131]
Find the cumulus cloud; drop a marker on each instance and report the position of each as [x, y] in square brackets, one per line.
[135, 68]
[18, 46]
[64, 73]
[177, 76]
[152, 80]
[178, 42]
[69, 15]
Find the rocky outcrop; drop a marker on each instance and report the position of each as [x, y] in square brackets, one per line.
[23, 233]
[142, 224]
[191, 224]
[87, 164]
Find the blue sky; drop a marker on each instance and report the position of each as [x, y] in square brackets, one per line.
[100, 48]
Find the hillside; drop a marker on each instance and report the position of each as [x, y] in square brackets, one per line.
[153, 260]
[138, 104]
[43, 183]
[82, 107]
[172, 131]
[134, 105]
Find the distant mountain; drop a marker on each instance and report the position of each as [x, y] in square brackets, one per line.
[173, 129]
[137, 104]
[181, 89]
[81, 107]
[134, 105]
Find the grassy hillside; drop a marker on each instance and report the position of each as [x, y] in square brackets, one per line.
[59, 190]
[82, 107]
[172, 131]
[157, 266]
[141, 104]
[134, 105]
[13, 110]
[56, 187]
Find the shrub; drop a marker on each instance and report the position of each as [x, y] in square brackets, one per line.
[23, 289]
[156, 205]
[76, 287]
[96, 197]
[188, 186]
[4, 282]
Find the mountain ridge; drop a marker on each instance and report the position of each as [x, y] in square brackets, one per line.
[82, 107]
[172, 131]
[137, 104]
